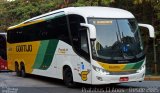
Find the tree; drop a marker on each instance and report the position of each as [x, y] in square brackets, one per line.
[12, 13]
[92, 3]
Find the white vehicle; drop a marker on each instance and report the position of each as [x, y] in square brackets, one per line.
[92, 45]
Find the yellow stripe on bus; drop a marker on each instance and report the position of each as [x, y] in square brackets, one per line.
[112, 67]
[25, 24]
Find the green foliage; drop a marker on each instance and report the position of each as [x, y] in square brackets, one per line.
[91, 3]
[12, 13]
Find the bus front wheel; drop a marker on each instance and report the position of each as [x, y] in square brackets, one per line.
[68, 77]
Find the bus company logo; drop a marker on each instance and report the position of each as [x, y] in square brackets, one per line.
[24, 48]
[114, 67]
[84, 74]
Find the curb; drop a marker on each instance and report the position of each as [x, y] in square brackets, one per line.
[152, 78]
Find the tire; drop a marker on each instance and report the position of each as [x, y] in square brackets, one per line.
[68, 78]
[17, 69]
[23, 72]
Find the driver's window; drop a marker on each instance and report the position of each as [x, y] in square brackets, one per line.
[84, 43]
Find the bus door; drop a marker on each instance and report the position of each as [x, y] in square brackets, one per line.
[79, 37]
[85, 64]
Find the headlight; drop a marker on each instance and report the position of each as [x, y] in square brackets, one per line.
[100, 70]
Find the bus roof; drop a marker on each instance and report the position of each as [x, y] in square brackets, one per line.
[101, 12]
[89, 11]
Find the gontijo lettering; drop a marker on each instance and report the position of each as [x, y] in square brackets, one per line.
[24, 48]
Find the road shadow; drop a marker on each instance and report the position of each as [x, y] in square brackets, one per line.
[59, 82]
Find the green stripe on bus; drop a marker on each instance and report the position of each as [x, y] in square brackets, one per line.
[41, 53]
[49, 55]
[136, 65]
[129, 66]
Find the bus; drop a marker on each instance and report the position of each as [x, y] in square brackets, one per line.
[3, 53]
[91, 45]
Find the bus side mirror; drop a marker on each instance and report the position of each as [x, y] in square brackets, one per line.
[92, 30]
[150, 28]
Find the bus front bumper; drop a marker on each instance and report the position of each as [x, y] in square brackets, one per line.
[98, 78]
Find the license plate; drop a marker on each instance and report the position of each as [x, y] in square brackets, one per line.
[123, 79]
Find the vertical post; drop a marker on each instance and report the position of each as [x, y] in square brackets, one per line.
[155, 56]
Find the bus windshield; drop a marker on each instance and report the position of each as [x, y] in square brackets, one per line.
[117, 39]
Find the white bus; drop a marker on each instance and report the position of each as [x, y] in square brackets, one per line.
[91, 45]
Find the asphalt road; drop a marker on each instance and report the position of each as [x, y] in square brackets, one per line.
[10, 83]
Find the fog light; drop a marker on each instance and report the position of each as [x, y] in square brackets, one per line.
[99, 78]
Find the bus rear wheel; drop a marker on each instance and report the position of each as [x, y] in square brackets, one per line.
[17, 69]
[68, 78]
[23, 72]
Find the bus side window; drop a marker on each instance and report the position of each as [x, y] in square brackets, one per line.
[55, 29]
[74, 22]
[84, 43]
[84, 48]
[79, 36]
